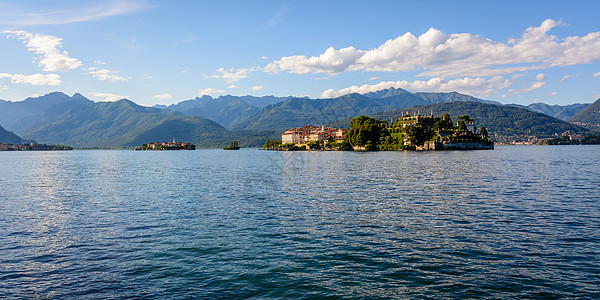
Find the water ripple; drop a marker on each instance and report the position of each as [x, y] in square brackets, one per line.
[515, 222]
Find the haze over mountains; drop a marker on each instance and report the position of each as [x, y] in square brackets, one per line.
[57, 118]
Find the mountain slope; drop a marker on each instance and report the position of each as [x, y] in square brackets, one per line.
[498, 119]
[558, 111]
[83, 123]
[588, 117]
[15, 116]
[296, 112]
[7, 137]
[225, 110]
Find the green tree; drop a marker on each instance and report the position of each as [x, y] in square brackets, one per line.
[484, 133]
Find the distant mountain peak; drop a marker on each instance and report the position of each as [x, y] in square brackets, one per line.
[389, 92]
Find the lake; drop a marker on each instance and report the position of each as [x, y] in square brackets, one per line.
[514, 222]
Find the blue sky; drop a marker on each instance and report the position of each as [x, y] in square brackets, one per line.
[163, 52]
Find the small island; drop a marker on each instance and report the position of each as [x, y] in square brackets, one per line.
[408, 132]
[232, 146]
[167, 146]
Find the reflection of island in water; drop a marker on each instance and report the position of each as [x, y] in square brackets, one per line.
[167, 146]
[33, 147]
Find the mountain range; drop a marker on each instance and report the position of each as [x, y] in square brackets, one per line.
[57, 118]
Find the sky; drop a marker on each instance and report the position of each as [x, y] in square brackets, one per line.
[164, 52]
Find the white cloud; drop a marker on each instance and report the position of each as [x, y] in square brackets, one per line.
[100, 62]
[48, 46]
[453, 55]
[209, 91]
[479, 87]
[95, 12]
[278, 18]
[535, 85]
[4, 87]
[34, 79]
[183, 71]
[108, 97]
[232, 75]
[233, 86]
[373, 78]
[551, 94]
[537, 100]
[163, 96]
[257, 88]
[332, 61]
[104, 74]
[540, 77]
[597, 74]
[264, 57]
[567, 77]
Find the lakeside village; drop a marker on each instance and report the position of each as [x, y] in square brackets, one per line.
[408, 132]
[33, 147]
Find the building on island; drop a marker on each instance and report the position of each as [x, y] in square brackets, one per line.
[308, 133]
[168, 146]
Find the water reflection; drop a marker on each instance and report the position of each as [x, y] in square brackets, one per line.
[513, 222]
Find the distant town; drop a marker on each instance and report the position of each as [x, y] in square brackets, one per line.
[33, 147]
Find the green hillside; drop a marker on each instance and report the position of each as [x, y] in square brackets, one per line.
[589, 117]
[7, 137]
[504, 122]
[563, 112]
[296, 112]
[84, 123]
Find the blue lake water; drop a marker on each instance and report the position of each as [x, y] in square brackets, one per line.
[514, 222]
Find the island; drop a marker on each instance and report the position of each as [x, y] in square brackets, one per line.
[232, 146]
[167, 146]
[407, 132]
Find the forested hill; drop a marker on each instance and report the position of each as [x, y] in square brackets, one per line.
[84, 123]
[589, 117]
[7, 137]
[498, 119]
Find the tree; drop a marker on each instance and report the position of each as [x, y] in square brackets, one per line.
[484, 133]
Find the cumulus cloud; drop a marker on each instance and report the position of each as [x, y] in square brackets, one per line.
[209, 91]
[104, 74]
[480, 87]
[109, 97]
[597, 74]
[551, 94]
[257, 88]
[233, 86]
[232, 75]
[48, 47]
[163, 96]
[332, 61]
[34, 79]
[437, 54]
